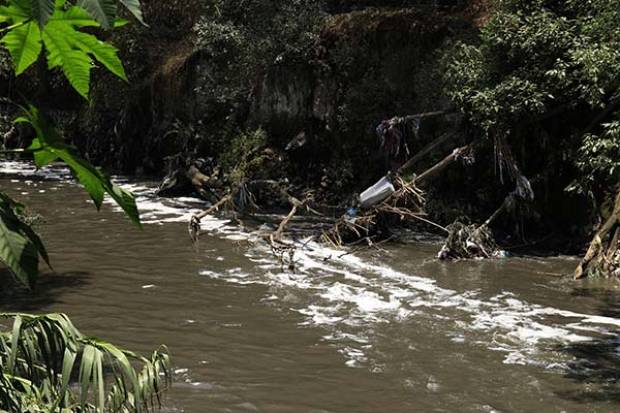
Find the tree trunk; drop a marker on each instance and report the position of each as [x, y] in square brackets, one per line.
[603, 248]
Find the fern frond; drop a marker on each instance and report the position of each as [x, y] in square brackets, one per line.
[24, 45]
[75, 64]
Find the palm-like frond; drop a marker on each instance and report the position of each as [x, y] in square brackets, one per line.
[46, 364]
[55, 26]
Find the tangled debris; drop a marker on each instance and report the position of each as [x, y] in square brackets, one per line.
[393, 201]
[406, 203]
[467, 242]
[367, 223]
[363, 223]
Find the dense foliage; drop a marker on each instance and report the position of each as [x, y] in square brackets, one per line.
[241, 41]
[546, 66]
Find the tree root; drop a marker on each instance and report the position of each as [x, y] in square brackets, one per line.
[603, 255]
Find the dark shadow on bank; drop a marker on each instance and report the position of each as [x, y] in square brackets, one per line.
[596, 364]
[49, 290]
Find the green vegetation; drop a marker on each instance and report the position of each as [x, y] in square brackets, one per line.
[66, 47]
[544, 78]
[42, 356]
[243, 159]
[39, 356]
[52, 26]
[540, 62]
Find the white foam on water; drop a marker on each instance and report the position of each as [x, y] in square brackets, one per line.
[350, 295]
[353, 292]
[28, 169]
[234, 275]
[347, 295]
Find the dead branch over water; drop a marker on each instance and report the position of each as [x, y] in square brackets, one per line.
[406, 204]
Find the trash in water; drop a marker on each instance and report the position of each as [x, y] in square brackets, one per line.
[377, 193]
[501, 254]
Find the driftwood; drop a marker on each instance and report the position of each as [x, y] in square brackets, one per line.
[603, 255]
[407, 203]
[296, 205]
[198, 180]
[439, 167]
[366, 227]
[285, 251]
[186, 175]
[194, 222]
[477, 241]
[467, 242]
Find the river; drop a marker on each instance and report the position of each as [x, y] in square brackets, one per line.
[379, 331]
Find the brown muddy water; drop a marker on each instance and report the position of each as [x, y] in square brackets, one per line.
[390, 332]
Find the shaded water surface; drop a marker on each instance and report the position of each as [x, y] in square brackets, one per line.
[389, 332]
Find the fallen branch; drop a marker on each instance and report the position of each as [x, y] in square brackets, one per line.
[406, 203]
[439, 167]
[467, 242]
[194, 222]
[425, 151]
[280, 248]
[429, 114]
[296, 205]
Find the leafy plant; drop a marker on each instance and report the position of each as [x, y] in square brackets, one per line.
[545, 70]
[20, 246]
[598, 158]
[48, 146]
[42, 355]
[54, 27]
[67, 48]
[535, 58]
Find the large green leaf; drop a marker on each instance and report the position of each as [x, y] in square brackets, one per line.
[42, 10]
[134, 7]
[49, 146]
[20, 210]
[19, 254]
[24, 45]
[75, 64]
[105, 53]
[67, 48]
[104, 11]
[20, 246]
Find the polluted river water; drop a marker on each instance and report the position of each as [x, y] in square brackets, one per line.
[378, 331]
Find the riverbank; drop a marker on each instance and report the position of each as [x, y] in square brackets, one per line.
[210, 87]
